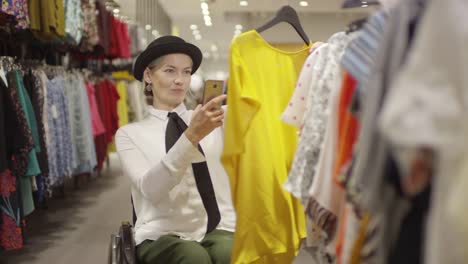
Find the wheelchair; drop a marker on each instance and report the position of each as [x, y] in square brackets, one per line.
[122, 248]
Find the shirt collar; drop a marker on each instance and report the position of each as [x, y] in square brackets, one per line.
[162, 114]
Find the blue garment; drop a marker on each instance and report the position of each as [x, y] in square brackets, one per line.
[360, 55]
[87, 125]
[73, 116]
[80, 123]
[361, 52]
[60, 149]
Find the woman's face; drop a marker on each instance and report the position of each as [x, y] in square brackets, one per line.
[170, 79]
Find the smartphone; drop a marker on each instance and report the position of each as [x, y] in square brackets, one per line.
[213, 88]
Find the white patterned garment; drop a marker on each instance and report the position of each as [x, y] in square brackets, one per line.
[297, 106]
[74, 20]
[325, 72]
[318, 62]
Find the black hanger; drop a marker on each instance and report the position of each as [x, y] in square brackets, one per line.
[286, 14]
[359, 3]
[356, 25]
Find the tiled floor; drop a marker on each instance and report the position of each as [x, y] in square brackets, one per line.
[76, 229]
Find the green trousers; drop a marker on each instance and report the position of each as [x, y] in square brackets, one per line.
[215, 248]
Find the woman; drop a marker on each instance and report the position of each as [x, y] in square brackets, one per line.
[180, 190]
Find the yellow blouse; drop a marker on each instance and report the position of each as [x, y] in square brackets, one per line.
[122, 107]
[259, 149]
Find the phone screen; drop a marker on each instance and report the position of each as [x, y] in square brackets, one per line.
[213, 88]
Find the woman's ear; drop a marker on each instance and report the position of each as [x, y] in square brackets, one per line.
[147, 76]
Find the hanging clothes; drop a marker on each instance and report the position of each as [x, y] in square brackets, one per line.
[324, 76]
[35, 91]
[73, 21]
[425, 108]
[122, 106]
[59, 133]
[375, 170]
[107, 98]
[97, 124]
[80, 124]
[19, 10]
[348, 127]
[297, 183]
[298, 105]
[15, 81]
[90, 32]
[258, 93]
[137, 39]
[326, 199]
[41, 87]
[47, 18]
[120, 39]
[19, 143]
[136, 100]
[3, 150]
[356, 237]
[104, 27]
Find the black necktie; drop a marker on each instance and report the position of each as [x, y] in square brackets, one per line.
[175, 127]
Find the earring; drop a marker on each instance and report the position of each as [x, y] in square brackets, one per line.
[148, 88]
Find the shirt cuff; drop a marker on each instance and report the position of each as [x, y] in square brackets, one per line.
[181, 153]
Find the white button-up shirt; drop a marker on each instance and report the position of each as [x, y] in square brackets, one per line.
[165, 195]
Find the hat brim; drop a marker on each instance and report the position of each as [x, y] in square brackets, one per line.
[150, 54]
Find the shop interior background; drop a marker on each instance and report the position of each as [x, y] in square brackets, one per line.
[187, 18]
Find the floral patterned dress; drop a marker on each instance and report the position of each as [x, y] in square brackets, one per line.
[19, 143]
[18, 9]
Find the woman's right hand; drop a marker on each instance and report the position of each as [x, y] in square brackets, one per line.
[205, 119]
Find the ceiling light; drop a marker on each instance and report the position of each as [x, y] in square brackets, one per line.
[155, 32]
[244, 3]
[196, 32]
[148, 27]
[214, 48]
[206, 17]
[193, 27]
[208, 23]
[198, 37]
[206, 54]
[205, 12]
[116, 11]
[364, 2]
[303, 3]
[237, 32]
[204, 6]
[239, 27]
[364, 5]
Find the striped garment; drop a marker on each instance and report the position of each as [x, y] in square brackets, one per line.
[361, 52]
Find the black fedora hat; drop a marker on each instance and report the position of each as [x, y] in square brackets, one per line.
[163, 46]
